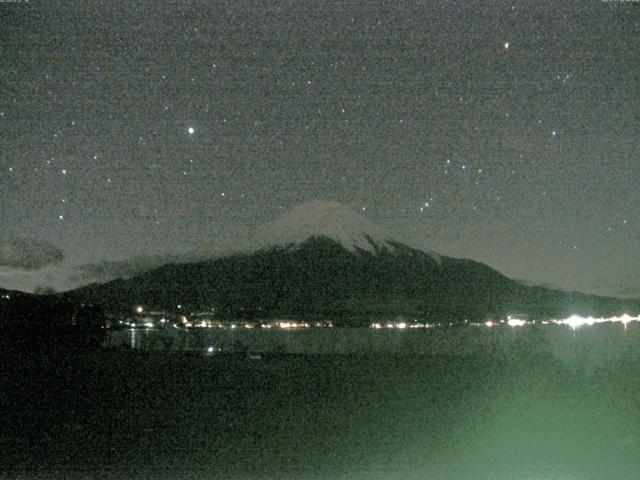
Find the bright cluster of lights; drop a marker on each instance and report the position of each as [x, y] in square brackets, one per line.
[574, 321]
[399, 325]
[515, 322]
[283, 324]
[250, 325]
[290, 325]
[137, 324]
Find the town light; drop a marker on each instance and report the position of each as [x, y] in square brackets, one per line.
[515, 322]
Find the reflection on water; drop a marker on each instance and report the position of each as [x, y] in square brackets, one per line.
[585, 346]
[135, 342]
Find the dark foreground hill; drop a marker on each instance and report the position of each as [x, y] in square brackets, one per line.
[38, 321]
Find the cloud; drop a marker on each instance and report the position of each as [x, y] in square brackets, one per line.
[108, 270]
[66, 276]
[28, 253]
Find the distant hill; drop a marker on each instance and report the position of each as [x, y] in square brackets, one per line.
[323, 260]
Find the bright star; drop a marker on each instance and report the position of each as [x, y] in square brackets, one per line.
[191, 130]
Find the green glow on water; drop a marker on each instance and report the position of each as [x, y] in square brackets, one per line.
[517, 412]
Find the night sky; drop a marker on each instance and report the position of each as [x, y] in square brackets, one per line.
[506, 132]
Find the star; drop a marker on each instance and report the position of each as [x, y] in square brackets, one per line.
[275, 127]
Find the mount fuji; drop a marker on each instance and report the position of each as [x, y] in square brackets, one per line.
[324, 260]
[324, 219]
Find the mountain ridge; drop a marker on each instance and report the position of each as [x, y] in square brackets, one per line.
[301, 266]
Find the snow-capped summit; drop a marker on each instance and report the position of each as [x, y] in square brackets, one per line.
[328, 219]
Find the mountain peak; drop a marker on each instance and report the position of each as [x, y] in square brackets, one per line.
[319, 218]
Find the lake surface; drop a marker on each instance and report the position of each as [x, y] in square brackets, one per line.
[466, 404]
[586, 345]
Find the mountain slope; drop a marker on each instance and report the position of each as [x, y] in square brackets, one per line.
[323, 260]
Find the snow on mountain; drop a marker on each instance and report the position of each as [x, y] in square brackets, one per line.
[324, 218]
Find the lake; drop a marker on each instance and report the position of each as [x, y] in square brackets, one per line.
[586, 345]
[466, 404]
